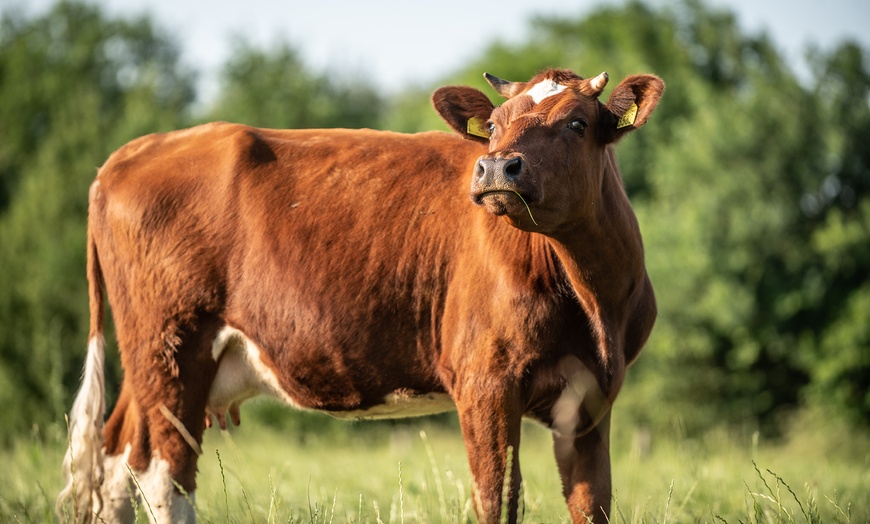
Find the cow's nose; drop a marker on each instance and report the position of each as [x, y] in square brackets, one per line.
[499, 168]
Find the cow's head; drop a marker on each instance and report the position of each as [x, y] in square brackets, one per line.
[547, 143]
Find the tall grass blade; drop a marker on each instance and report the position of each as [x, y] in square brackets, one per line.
[761, 476]
[377, 512]
[139, 488]
[312, 513]
[72, 469]
[668, 503]
[814, 514]
[682, 506]
[801, 506]
[401, 496]
[224, 484]
[394, 508]
[775, 495]
[186, 495]
[248, 504]
[848, 516]
[442, 500]
[756, 510]
[527, 208]
[614, 516]
[272, 500]
[332, 511]
[506, 483]
[134, 502]
[182, 430]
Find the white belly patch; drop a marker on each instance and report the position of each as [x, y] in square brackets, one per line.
[401, 405]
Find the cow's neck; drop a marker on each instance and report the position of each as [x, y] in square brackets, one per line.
[603, 260]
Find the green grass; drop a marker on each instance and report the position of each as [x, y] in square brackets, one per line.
[416, 472]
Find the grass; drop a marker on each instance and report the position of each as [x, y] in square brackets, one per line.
[416, 472]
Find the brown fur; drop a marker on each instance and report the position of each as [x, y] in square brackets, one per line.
[356, 261]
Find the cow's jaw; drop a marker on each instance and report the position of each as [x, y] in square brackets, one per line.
[501, 201]
[515, 204]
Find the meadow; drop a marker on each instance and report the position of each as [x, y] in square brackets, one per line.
[308, 469]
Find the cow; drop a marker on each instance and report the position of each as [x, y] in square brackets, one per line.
[497, 270]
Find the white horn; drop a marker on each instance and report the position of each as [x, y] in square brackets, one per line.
[505, 88]
[597, 84]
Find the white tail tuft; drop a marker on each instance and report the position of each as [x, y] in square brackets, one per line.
[83, 463]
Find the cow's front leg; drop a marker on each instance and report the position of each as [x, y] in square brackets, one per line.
[584, 465]
[490, 413]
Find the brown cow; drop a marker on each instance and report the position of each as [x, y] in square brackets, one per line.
[346, 271]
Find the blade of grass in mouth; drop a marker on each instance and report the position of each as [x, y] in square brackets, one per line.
[527, 207]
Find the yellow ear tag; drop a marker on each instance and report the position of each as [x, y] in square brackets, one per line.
[628, 118]
[477, 127]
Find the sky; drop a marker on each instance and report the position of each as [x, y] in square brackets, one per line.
[397, 43]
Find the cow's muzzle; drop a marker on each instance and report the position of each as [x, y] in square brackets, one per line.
[499, 171]
[501, 185]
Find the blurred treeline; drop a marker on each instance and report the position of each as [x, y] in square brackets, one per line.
[752, 186]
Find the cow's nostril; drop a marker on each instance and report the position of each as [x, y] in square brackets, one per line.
[513, 167]
[480, 170]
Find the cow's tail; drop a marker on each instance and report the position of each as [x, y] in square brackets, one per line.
[80, 500]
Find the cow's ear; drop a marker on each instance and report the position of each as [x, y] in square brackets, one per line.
[466, 110]
[629, 106]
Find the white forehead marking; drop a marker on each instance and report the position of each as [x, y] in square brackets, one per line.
[543, 89]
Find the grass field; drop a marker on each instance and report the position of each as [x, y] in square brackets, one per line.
[416, 472]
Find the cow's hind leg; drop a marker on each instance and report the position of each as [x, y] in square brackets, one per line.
[118, 492]
[156, 429]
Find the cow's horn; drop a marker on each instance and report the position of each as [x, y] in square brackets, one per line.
[597, 84]
[503, 87]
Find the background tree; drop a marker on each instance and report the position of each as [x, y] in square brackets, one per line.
[274, 88]
[834, 290]
[74, 86]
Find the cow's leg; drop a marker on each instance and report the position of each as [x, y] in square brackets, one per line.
[491, 417]
[118, 491]
[157, 426]
[584, 465]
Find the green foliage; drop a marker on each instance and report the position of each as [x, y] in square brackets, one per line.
[274, 88]
[74, 86]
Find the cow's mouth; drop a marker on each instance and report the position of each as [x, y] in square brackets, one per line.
[504, 202]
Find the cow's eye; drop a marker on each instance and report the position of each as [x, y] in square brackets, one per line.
[577, 125]
[491, 128]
